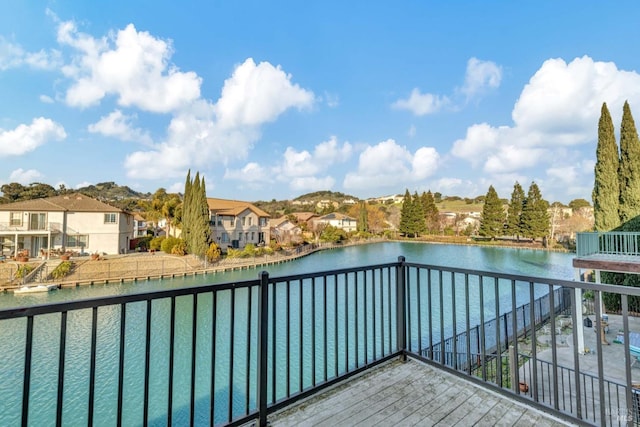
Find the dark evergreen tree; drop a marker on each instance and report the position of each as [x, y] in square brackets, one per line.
[535, 216]
[187, 216]
[629, 169]
[492, 219]
[432, 216]
[514, 211]
[405, 214]
[606, 188]
[418, 221]
[363, 218]
[201, 236]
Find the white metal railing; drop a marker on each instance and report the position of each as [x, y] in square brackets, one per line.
[608, 243]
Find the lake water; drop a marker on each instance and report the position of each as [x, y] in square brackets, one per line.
[77, 357]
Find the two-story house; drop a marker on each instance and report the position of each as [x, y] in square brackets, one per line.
[70, 222]
[337, 220]
[235, 223]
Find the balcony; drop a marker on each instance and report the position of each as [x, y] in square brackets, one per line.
[244, 352]
[608, 251]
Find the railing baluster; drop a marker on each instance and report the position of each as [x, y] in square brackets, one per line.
[248, 345]
[172, 341]
[467, 322]
[514, 331]
[232, 352]
[147, 353]
[483, 354]
[496, 291]
[441, 300]
[335, 325]
[325, 356]
[381, 285]
[26, 382]
[454, 322]
[263, 319]
[61, 359]
[300, 336]
[389, 312]
[346, 322]
[313, 332]
[401, 304]
[599, 326]
[429, 313]
[287, 334]
[418, 311]
[356, 319]
[627, 355]
[576, 354]
[212, 391]
[92, 367]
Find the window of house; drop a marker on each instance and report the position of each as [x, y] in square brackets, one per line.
[250, 220]
[244, 221]
[263, 222]
[37, 221]
[225, 238]
[16, 218]
[232, 221]
[253, 236]
[78, 241]
[239, 236]
[246, 236]
[110, 218]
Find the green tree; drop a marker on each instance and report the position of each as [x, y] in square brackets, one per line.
[535, 217]
[405, 214]
[363, 218]
[606, 188]
[577, 204]
[514, 212]
[629, 169]
[431, 214]
[418, 220]
[492, 219]
[187, 204]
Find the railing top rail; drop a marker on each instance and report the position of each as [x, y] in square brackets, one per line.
[622, 290]
[302, 276]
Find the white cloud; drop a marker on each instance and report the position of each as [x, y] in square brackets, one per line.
[481, 75]
[132, 65]
[421, 104]
[25, 177]
[26, 138]
[252, 172]
[257, 94]
[388, 164]
[412, 131]
[311, 183]
[46, 99]
[83, 184]
[119, 126]
[13, 56]
[558, 109]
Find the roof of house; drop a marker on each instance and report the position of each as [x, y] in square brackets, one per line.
[303, 216]
[232, 207]
[276, 222]
[336, 215]
[76, 202]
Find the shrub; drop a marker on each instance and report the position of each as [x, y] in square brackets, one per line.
[249, 250]
[144, 243]
[63, 269]
[180, 248]
[156, 243]
[24, 270]
[168, 243]
[213, 253]
[234, 253]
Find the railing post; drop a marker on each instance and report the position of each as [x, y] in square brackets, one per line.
[263, 319]
[400, 307]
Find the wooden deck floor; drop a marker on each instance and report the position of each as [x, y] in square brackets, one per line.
[406, 394]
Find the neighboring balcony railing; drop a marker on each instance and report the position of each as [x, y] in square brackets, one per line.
[230, 353]
[608, 243]
[25, 226]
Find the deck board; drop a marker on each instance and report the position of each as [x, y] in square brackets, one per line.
[411, 393]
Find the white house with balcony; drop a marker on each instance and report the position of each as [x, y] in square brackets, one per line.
[72, 222]
[337, 220]
[235, 223]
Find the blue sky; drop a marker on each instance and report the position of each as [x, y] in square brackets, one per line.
[270, 100]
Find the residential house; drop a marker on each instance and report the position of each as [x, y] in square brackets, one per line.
[235, 223]
[72, 222]
[284, 231]
[338, 220]
[139, 226]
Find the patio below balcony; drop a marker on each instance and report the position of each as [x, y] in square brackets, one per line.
[411, 393]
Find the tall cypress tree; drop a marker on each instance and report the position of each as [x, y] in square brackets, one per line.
[629, 170]
[514, 212]
[431, 214]
[201, 226]
[363, 218]
[405, 214]
[186, 210]
[492, 220]
[418, 221]
[606, 188]
[535, 217]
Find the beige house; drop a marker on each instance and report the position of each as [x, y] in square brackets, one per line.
[337, 220]
[72, 222]
[284, 231]
[235, 223]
